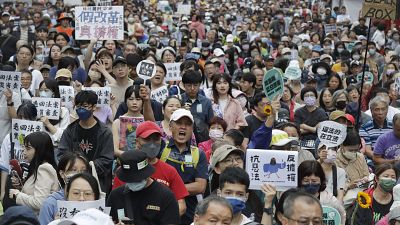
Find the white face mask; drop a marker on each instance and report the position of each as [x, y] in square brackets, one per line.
[321, 71]
[350, 155]
[215, 134]
[137, 186]
[94, 75]
[45, 94]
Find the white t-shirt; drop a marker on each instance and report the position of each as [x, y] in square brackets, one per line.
[5, 119]
[36, 79]
[341, 180]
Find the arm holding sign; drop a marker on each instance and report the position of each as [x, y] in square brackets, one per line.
[12, 112]
[144, 94]
[89, 53]
[270, 194]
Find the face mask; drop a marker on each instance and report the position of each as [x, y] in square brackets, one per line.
[264, 40]
[83, 113]
[254, 54]
[305, 45]
[46, 94]
[94, 75]
[372, 51]
[396, 38]
[237, 204]
[5, 32]
[287, 56]
[131, 20]
[340, 105]
[327, 49]
[356, 57]
[63, 83]
[350, 155]
[23, 23]
[340, 50]
[311, 188]
[40, 57]
[321, 71]
[390, 71]
[236, 57]
[137, 186]
[387, 184]
[245, 47]
[310, 101]
[331, 157]
[215, 134]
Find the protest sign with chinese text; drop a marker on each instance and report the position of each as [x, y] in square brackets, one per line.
[146, 69]
[68, 209]
[330, 28]
[331, 134]
[103, 94]
[11, 80]
[21, 128]
[103, 2]
[127, 131]
[278, 168]
[159, 94]
[330, 216]
[273, 83]
[67, 96]
[99, 22]
[49, 107]
[293, 71]
[173, 72]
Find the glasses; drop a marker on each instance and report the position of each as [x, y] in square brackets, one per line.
[308, 221]
[79, 193]
[230, 160]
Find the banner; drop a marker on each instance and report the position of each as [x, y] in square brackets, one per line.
[273, 83]
[11, 80]
[159, 94]
[127, 132]
[103, 2]
[330, 216]
[184, 9]
[21, 128]
[146, 69]
[278, 168]
[173, 72]
[68, 209]
[103, 94]
[67, 96]
[99, 22]
[380, 9]
[331, 134]
[49, 107]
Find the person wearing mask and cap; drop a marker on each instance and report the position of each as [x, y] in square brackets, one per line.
[148, 139]
[64, 25]
[141, 200]
[63, 77]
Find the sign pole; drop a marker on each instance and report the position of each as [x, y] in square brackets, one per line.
[363, 74]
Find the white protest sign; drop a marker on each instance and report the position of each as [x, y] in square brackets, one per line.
[331, 134]
[67, 96]
[100, 22]
[331, 216]
[292, 73]
[368, 77]
[330, 28]
[173, 72]
[72, 2]
[184, 9]
[159, 94]
[163, 6]
[103, 94]
[11, 80]
[49, 107]
[21, 128]
[146, 69]
[278, 168]
[67, 209]
[103, 2]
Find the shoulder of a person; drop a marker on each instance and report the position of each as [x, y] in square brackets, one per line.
[46, 167]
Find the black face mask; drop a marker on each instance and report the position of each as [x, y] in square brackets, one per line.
[63, 83]
[340, 105]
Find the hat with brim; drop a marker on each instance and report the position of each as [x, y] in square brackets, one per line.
[321, 64]
[222, 152]
[336, 115]
[66, 48]
[64, 16]
[134, 167]
[119, 60]
[281, 138]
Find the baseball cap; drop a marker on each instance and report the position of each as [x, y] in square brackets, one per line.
[134, 167]
[317, 48]
[5, 14]
[63, 73]
[45, 66]
[286, 50]
[222, 152]
[88, 217]
[133, 59]
[350, 118]
[355, 63]
[285, 39]
[280, 138]
[65, 48]
[218, 52]
[179, 113]
[119, 59]
[19, 215]
[196, 50]
[147, 128]
[336, 115]
[229, 38]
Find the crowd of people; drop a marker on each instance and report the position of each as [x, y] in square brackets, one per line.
[186, 162]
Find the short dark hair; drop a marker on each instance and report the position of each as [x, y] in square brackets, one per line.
[379, 90]
[68, 159]
[188, 64]
[249, 77]
[311, 167]
[202, 207]
[61, 34]
[191, 77]
[234, 175]
[352, 138]
[220, 121]
[89, 97]
[308, 89]
[130, 90]
[67, 61]
[94, 184]
[236, 135]
[160, 64]
[27, 110]
[257, 98]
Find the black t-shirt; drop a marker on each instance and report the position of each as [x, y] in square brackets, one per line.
[380, 210]
[87, 139]
[155, 204]
[302, 115]
[253, 123]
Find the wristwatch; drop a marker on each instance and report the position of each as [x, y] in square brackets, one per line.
[268, 211]
[10, 104]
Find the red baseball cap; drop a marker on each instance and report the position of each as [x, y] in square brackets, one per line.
[147, 128]
[350, 118]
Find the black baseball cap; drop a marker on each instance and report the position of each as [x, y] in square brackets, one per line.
[134, 167]
[119, 59]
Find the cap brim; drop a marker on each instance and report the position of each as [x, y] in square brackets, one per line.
[129, 176]
[225, 154]
[283, 142]
[149, 132]
[21, 222]
[176, 119]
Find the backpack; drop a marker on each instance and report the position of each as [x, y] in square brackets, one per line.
[194, 151]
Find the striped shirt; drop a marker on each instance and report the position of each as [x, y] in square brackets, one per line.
[370, 131]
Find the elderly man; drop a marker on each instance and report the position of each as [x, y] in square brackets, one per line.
[386, 149]
[384, 93]
[189, 161]
[378, 125]
[213, 208]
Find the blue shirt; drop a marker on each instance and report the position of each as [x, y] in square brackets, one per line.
[261, 138]
[49, 207]
[370, 131]
[201, 107]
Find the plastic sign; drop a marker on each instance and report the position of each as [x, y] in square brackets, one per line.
[273, 83]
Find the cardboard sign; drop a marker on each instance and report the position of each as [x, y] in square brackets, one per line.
[146, 69]
[173, 72]
[331, 216]
[103, 94]
[11, 80]
[380, 9]
[330, 28]
[127, 132]
[184, 9]
[21, 128]
[100, 22]
[104, 2]
[368, 77]
[159, 94]
[48, 107]
[278, 168]
[273, 83]
[292, 73]
[331, 134]
[68, 209]
[67, 96]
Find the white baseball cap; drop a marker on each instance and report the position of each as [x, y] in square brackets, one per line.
[179, 113]
[218, 52]
[89, 217]
[229, 38]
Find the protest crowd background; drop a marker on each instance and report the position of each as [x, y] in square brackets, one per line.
[199, 112]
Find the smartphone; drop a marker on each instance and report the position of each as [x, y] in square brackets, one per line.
[128, 221]
[15, 174]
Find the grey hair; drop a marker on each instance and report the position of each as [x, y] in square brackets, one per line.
[375, 101]
[337, 93]
[395, 118]
[202, 207]
[288, 204]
